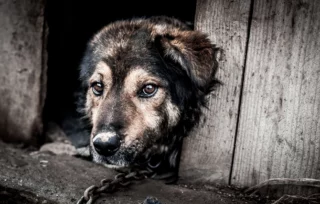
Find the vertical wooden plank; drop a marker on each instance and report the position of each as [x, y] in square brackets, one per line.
[279, 131]
[207, 152]
[22, 69]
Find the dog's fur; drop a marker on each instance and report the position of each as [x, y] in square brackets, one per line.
[123, 58]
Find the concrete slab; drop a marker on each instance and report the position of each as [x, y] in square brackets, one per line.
[28, 177]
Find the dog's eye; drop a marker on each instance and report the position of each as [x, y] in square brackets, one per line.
[97, 88]
[148, 91]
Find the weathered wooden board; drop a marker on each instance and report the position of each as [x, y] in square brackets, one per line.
[22, 70]
[279, 129]
[207, 153]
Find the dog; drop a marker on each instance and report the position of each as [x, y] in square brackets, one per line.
[144, 82]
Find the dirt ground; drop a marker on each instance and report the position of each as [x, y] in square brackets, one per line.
[28, 176]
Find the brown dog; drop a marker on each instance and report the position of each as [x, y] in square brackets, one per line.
[144, 83]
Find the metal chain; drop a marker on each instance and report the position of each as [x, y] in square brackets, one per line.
[110, 185]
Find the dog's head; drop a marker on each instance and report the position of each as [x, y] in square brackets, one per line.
[145, 81]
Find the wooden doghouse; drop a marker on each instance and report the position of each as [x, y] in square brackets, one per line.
[262, 123]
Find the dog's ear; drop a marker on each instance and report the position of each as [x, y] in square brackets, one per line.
[194, 53]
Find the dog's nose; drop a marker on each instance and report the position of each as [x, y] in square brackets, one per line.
[106, 144]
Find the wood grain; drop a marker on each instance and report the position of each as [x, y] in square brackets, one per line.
[207, 152]
[22, 70]
[279, 129]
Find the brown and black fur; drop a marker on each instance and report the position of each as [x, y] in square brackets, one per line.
[123, 58]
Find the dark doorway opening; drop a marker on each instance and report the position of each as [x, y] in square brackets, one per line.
[71, 24]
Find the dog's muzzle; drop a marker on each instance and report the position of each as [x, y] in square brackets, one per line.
[106, 143]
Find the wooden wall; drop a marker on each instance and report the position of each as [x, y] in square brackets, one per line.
[22, 69]
[208, 151]
[264, 122]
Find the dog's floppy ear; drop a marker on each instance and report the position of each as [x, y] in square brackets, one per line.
[194, 53]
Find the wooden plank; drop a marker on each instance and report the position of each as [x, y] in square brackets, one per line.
[207, 152]
[22, 74]
[279, 129]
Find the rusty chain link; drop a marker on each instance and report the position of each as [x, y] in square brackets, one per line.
[109, 185]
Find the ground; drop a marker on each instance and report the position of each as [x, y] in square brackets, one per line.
[28, 176]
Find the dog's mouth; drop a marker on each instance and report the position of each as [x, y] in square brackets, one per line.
[128, 158]
[112, 151]
[120, 159]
